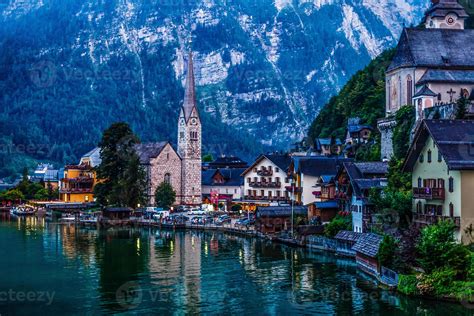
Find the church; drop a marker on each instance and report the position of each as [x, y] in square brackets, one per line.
[432, 68]
[182, 167]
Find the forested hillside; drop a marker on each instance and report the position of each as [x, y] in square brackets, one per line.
[363, 96]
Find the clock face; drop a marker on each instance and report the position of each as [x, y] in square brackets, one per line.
[450, 20]
[193, 121]
[181, 121]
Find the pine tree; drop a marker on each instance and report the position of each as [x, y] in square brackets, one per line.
[121, 177]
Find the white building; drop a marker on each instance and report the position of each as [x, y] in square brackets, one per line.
[266, 180]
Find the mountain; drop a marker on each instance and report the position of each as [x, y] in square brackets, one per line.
[264, 68]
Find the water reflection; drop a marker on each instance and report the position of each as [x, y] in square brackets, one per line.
[145, 270]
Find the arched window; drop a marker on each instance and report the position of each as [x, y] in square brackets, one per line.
[421, 158]
[419, 182]
[429, 156]
[167, 178]
[451, 210]
[409, 90]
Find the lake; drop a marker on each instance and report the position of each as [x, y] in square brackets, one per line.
[63, 269]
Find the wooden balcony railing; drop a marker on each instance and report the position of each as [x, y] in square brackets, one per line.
[424, 219]
[429, 193]
[265, 172]
[265, 184]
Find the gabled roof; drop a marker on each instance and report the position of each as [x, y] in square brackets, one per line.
[425, 91]
[348, 235]
[232, 177]
[148, 151]
[453, 138]
[366, 175]
[282, 161]
[368, 244]
[443, 48]
[440, 75]
[318, 165]
[93, 156]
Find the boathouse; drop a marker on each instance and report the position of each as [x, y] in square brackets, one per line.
[366, 249]
[274, 219]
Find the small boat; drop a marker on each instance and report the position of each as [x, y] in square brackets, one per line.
[68, 218]
[88, 219]
[22, 211]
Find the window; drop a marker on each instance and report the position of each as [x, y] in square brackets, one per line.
[451, 210]
[193, 135]
[277, 179]
[421, 158]
[167, 156]
[441, 183]
[287, 180]
[451, 184]
[235, 191]
[262, 193]
[270, 168]
[429, 156]
[249, 180]
[167, 178]
[409, 89]
[269, 194]
[278, 193]
[419, 182]
[277, 169]
[254, 169]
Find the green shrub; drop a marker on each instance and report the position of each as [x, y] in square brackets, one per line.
[337, 224]
[438, 249]
[407, 284]
[387, 250]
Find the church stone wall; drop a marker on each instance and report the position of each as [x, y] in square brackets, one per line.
[168, 162]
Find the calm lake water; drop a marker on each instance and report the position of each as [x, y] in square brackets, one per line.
[61, 269]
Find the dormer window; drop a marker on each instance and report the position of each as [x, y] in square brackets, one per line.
[421, 158]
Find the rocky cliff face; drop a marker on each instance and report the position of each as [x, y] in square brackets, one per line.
[264, 67]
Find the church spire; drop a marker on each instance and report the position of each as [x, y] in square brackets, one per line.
[190, 92]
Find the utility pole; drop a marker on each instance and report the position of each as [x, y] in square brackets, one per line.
[292, 205]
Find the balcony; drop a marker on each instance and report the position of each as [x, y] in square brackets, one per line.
[265, 172]
[424, 219]
[265, 184]
[76, 190]
[429, 193]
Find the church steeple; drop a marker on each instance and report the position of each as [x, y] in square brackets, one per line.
[445, 14]
[189, 142]
[190, 91]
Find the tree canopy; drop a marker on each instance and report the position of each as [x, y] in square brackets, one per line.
[122, 180]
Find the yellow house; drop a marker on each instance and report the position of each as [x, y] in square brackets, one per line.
[441, 160]
[79, 180]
